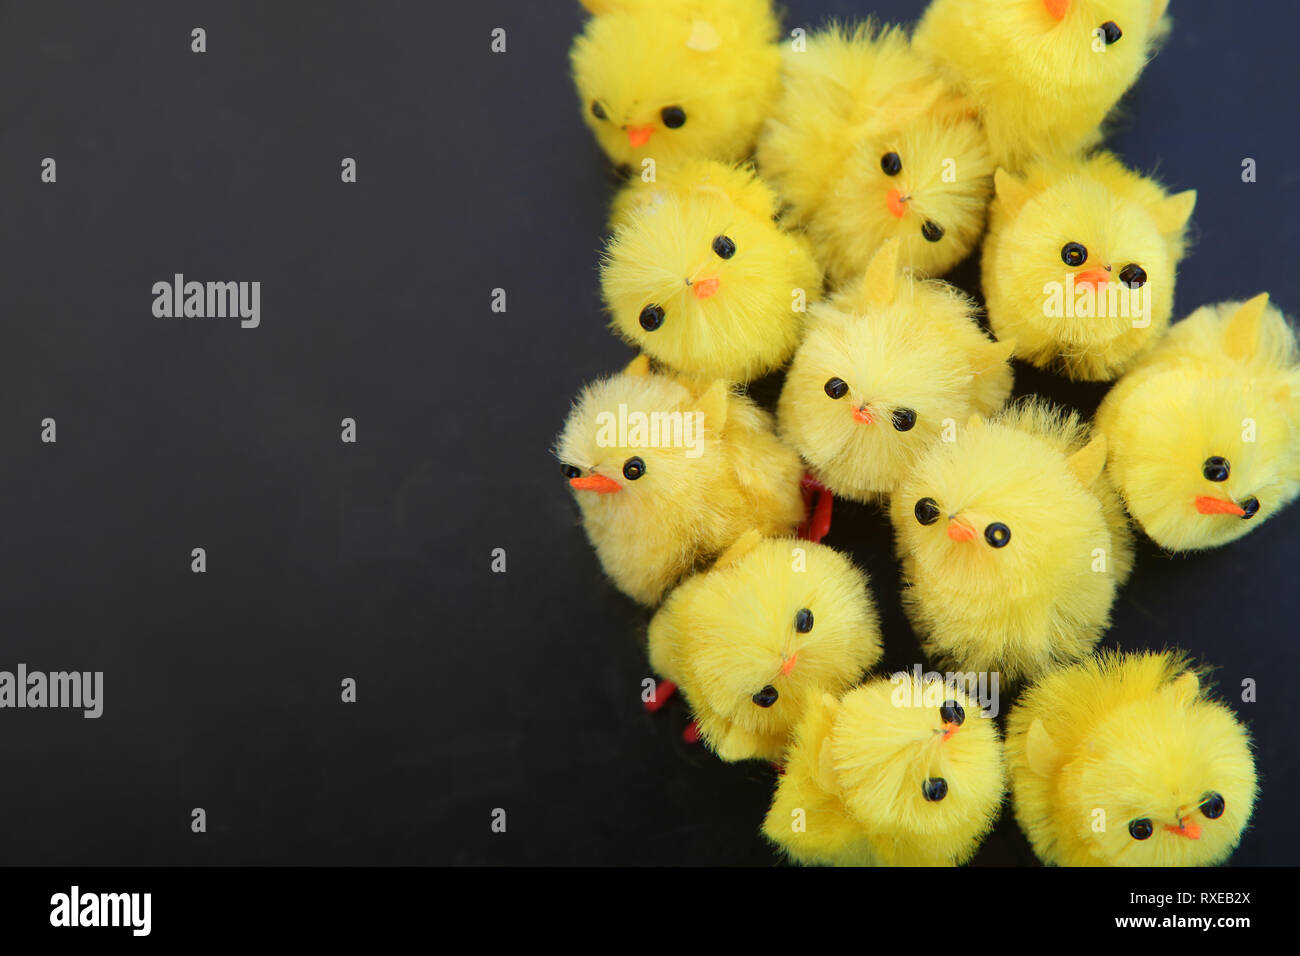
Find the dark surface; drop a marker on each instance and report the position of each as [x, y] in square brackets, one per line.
[325, 560]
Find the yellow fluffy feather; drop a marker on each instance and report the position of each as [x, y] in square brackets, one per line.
[899, 772]
[904, 356]
[1045, 73]
[1203, 435]
[1068, 223]
[692, 469]
[867, 145]
[1013, 543]
[670, 80]
[1124, 760]
[747, 642]
[699, 276]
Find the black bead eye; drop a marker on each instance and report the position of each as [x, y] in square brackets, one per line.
[724, 247]
[892, 164]
[837, 387]
[904, 419]
[766, 697]
[926, 511]
[934, 789]
[932, 231]
[997, 534]
[1133, 276]
[673, 116]
[1074, 253]
[598, 111]
[952, 713]
[803, 621]
[1216, 468]
[1250, 507]
[633, 468]
[1212, 806]
[1111, 31]
[568, 471]
[1141, 829]
[652, 316]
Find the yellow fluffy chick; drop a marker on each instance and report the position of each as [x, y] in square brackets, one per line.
[883, 366]
[1203, 435]
[1079, 263]
[674, 79]
[897, 773]
[868, 145]
[699, 276]
[1013, 543]
[748, 642]
[1124, 760]
[1045, 73]
[667, 475]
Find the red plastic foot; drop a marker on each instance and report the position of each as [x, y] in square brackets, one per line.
[819, 524]
[664, 689]
[692, 733]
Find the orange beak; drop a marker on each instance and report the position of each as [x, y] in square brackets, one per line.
[638, 136]
[1057, 8]
[862, 415]
[1208, 505]
[896, 203]
[1093, 277]
[703, 288]
[788, 664]
[1190, 830]
[959, 529]
[950, 729]
[597, 483]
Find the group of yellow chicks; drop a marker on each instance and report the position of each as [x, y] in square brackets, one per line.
[880, 158]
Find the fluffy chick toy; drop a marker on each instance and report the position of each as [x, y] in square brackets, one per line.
[1203, 436]
[667, 475]
[897, 773]
[867, 145]
[749, 641]
[674, 79]
[1123, 760]
[1079, 263]
[1013, 543]
[1045, 73]
[884, 366]
[699, 276]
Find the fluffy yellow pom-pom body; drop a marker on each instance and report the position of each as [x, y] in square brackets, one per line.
[1117, 761]
[1022, 547]
[912, 361]
[734, 634]
[864, 775]
[851, 99]
[711, 468]
[1206, 427]
[677, 79]
[1043, 84]
[699, 276]
[1071, 221]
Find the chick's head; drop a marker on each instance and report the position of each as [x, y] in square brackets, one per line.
[639, 442]
[1002, 512]
[917, 760]
[925, 181]
[707, 285]
[1084, 269]
[882, 368]
[1204, 460]
[1166, 770]
[674, 79]
[776, 621]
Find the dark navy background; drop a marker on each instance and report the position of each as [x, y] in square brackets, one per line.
[476, 690]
